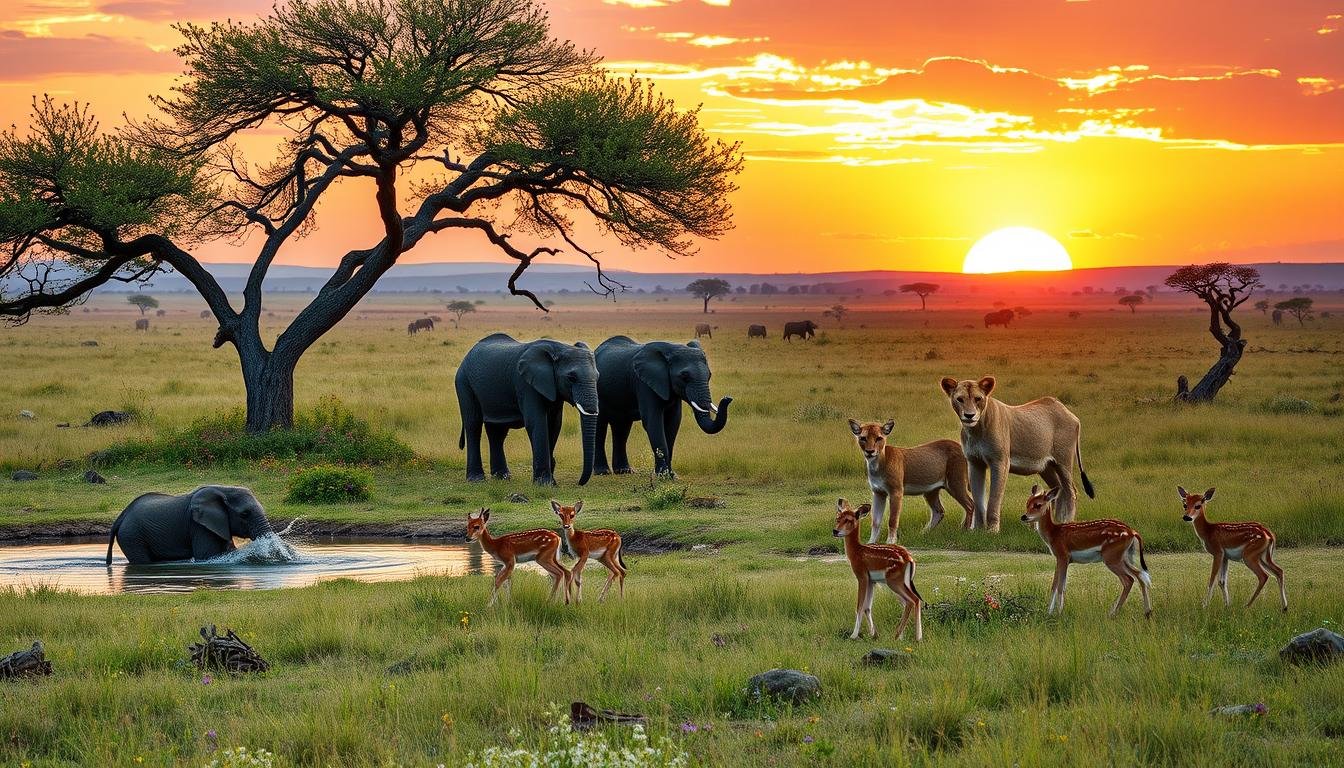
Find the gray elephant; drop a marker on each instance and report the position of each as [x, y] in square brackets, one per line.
[648, 383]
[505, 384]
[803, 328]
[158, 527]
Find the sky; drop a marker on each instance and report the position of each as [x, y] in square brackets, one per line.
[881, 134]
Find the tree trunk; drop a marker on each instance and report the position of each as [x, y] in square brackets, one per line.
[270, 393]
[1217, 376]
[923, 305]
[706, 298]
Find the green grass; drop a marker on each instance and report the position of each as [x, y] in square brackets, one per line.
[1080, 690]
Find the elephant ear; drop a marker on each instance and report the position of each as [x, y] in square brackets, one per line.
[693, 343]
[537, 368]
[210, 510]
[651, 368]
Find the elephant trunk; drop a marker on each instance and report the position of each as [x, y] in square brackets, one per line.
[710, 419]
[587, 404]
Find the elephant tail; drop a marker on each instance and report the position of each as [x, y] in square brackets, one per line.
[112, 536]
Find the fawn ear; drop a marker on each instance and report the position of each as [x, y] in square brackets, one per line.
[1181, 490]
[1035, 489]
[485, 514]
[555, 506]
[1052, 495]
[578, 506]
[949, 384]
[855, 427]
[863, 510]
[890, 425]
[841, 505]
[986, 385]
[1208, 494]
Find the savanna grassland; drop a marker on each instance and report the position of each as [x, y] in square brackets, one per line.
[397, 674]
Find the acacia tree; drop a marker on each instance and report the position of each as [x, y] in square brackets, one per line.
[1133, 300]
[500, 125]
[1223, 287]
[143, 301]
[838, 312]
[1263, 306]
[707, 288]
[459, 308]
[923, 290]
[1299, 307]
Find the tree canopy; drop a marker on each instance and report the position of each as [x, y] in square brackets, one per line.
[923, 290]
[458, 308]
[1133, 300]
[1223, 287]
[707, 288]
[142, 301]
[1299, 307]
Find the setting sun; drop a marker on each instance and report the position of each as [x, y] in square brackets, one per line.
[1016, 249]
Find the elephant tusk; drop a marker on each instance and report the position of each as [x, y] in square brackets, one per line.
[697, 407]
[714, 408]
[585, 413]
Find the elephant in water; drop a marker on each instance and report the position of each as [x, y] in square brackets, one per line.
[158, 527]
[505, 384]
[648, 383]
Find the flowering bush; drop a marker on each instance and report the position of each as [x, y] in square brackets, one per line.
[242, 757]
[563, 747]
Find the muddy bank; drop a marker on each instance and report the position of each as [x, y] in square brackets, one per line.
[635, 542]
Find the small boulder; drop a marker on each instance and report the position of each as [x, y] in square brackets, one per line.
[23, 475]
[94, 478]
[878, 657]
[788, 686]
[108, 419]
[1319, 646]
[89, 343]
[27, 414]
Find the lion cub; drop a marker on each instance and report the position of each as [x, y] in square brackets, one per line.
[923, 469]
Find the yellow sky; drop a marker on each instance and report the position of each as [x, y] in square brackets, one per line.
[888, 135]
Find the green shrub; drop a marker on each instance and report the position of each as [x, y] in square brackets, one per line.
[329, 485]
[1281, 404]
[328, 432]
[665, 497]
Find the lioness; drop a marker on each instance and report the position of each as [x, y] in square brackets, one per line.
[1036, 438]
[924, 469]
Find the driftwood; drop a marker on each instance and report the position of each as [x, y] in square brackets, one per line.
[583, 717]
[29, 663]
[228, 653]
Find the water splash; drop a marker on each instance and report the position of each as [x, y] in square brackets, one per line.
[268, 549]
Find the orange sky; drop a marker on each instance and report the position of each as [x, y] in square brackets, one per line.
[889, 134]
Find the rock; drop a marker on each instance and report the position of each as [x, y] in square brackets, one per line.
[1238, 710]
[883, 656]
[98, 458]
[30, 663]
[518, 498]
[108, 418]
[89, 343]
[94, 478]
[1319, 646]
[788, 686]
[23, 475]
[25, 414]
[63, 425]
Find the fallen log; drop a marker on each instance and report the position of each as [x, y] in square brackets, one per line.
[583, 717]
[29, 663]
[227, 653]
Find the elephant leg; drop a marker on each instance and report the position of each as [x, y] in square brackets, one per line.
[620, 436]
[671, 425]
[131, 540]
[499, 463]
[653, 425]
[472, 419]
[541, 447]
[600, 465]
[553, 422]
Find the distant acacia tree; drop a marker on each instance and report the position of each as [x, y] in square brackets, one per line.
[1263, 306]
[1133, 300]
[450, 114]
[144, 302]
[1299, 307]
[707, 288]
[1223, 287]
[838, 312]
[459, 308]
[923, 290]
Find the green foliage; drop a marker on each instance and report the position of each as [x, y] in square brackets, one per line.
[1281, 404]
[327, 432]
[707, 288]
[142, 301]
[665, 497]
[329, 485]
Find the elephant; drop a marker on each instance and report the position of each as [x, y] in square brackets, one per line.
[161, 313]
[423, 324]
[158, 527]
[1002, 317]
[142, 324]
[648, 382]
[205, 313]
[1278, 317]
[703, 329]
[755, 331]
[804, 328]
[505, 384]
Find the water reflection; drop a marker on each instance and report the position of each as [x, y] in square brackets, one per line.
[80, 565]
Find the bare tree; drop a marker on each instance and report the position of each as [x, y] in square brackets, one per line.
[707, 288]
[1133, 300]
[459, 308]
[500, 124]
[1224, 287]
[143, 301]
[1299, 307]
[923, 290]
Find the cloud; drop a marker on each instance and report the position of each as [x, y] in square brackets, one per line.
[1088, 234]
[172, 10]
[811, 156]
[28, 56]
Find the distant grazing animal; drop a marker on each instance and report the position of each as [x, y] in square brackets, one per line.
[804, 328]
[422, 324]
[1251, 543]
[142, 324]
[536, 545]
[648, 383]
[1041, 437]
[205, 313]
[924, 469]
[410, 329]
[436, 318]
[1002, 317]
[755, 331]
[874, 564]
[1277, 316]
[1108, 541]
[601, 543]
[161, 313]
[156, 527]
[703, 329]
